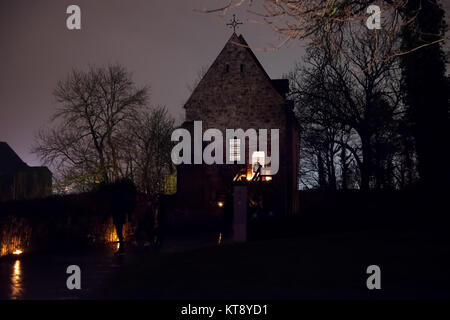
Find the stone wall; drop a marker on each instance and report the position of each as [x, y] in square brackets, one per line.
[234, 98]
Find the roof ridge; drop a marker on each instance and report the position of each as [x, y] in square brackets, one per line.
[240, 41]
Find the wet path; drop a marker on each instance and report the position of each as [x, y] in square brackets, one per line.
[43, 276]
[329, 266]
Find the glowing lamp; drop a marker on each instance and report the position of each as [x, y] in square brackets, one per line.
[17, 252]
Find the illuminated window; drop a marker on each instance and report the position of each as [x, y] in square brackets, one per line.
[259, 156]
[235, 149]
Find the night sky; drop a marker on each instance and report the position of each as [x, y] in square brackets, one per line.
[164, 43]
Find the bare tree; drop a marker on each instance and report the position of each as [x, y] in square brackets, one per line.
[349, 94]
[149, 147]
[92, 107]
[323, 21]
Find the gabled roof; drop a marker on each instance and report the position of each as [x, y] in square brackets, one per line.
[244, 43]
[9, 160]
[281, 86]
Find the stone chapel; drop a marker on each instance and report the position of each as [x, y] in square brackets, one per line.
[236, 92]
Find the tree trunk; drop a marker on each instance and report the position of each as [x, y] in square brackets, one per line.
[344, 168]
[321, 171]
[366, 162]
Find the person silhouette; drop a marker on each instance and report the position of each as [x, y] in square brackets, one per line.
[257, 171]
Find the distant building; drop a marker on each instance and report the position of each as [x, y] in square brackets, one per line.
[18, 181]
[236, 92]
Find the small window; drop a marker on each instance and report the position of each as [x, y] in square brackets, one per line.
[227, 68]
[235, 149]
[242, 68]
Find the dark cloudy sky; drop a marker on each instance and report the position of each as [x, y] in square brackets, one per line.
[164, 43]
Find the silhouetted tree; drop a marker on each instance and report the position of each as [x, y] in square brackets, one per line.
[92, 106]
[102, 132]
[325, 21]
[148, 146]
[305, 18]
[353, 96]
[426, 90]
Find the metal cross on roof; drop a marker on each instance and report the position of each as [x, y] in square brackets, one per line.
[233, 23]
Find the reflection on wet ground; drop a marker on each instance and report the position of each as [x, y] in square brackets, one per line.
[16, 281]
[43, 275]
